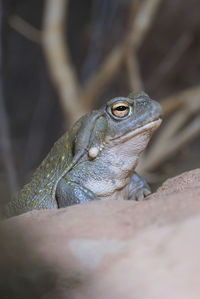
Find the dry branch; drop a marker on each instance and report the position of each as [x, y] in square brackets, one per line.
[174, 145]
[25, 28]
[164, 69]
[132, 64]
[112, 63]
[58, 59]
[176, 101]
[143, 21]
[135, 81]
[106, 73]
[171, 138]
[177, 121]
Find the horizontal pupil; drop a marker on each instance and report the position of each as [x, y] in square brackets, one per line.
[121, 108]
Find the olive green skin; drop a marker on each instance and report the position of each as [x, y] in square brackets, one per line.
[61, 178]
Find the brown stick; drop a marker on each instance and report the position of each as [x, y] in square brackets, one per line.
[166, 67]
[133, 68]
[132, 64]
[25, 28]
[174, 145]
[143, 21]
[173, 102]
[170, 140]
[58, 60]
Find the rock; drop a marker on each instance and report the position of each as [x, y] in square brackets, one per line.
[107, 249]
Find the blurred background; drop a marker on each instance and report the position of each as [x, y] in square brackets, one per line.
[62, 58]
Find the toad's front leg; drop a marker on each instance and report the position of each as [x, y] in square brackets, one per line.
[138, 188]
[69, 193]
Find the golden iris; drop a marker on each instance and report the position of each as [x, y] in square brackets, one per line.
[120, 109]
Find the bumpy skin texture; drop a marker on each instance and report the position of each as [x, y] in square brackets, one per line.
[95, 159]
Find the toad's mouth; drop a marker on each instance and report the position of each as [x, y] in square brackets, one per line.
[150, 127]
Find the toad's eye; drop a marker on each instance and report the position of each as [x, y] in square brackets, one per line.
[120, 109]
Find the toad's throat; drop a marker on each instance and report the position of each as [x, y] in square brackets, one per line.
[151, 127]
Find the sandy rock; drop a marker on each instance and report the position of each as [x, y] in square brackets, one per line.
[109, 250]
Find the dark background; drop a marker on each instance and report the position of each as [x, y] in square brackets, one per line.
[169, 62]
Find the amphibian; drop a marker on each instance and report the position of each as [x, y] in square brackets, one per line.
[95, 159]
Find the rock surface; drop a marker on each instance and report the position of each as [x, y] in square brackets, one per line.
[109, 250]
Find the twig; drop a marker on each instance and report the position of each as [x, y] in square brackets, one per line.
[174, 145]
[57, 55]
[139, 27]
[170, 139]
[133, 69]
[143, 21]
[188, 134]
[174, 102]
[106, 73]
[132, 64]
[25, 28]
[168, 63]
[176, 122]
[103, 14]
[112, 63]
